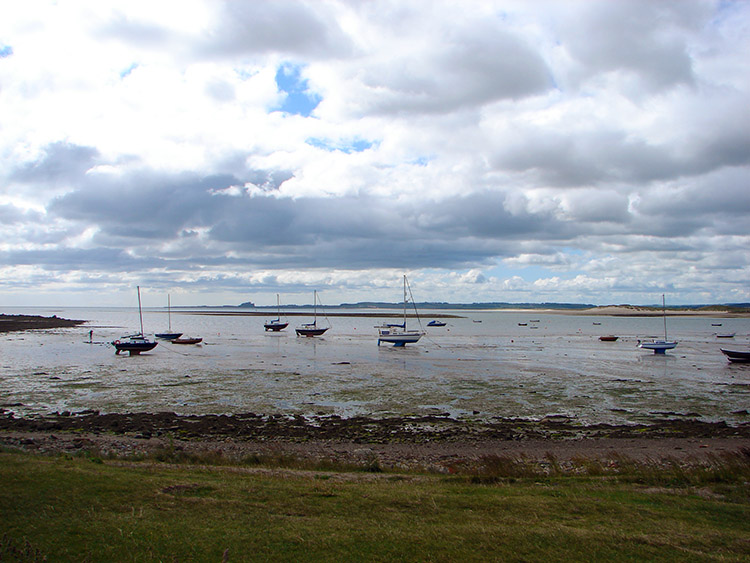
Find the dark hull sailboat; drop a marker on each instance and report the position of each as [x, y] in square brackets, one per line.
[312, 329]
[275, 325]
[135, 343]
[168, 335]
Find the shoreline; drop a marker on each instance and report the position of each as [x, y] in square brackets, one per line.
[435, 443]
[11, 323]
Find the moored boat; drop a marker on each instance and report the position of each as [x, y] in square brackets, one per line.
[399, 335]
[608, 338]
[660, 346]
[436, 323]
[135, 343]
[169, 335]
[187, 341]
[736, 355]
[275, 325]
[312, 329]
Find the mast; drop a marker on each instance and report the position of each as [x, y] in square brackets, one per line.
[278, 308]
[140, 312]
[404, 301]
[664, 313]
[169, 312]
[315, 307]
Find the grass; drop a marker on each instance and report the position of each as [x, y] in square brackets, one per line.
[63, 508]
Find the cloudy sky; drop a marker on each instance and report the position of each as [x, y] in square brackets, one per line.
[571, 151]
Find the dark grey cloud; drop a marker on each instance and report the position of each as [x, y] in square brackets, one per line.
[474, 64]
[60, 163]
[11, 214]
[588, 158]
[284, 26]
[643, 37]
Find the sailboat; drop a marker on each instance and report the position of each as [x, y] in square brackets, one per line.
[276, 324]
[660, 346]
[169, 335]
[399, 335]
[312, 329]
[135, 343]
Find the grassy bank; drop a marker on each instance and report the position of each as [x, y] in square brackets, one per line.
[88, 509]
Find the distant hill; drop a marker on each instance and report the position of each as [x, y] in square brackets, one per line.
[438, 305]
[496, 305]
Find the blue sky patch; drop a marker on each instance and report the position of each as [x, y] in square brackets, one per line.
[6, 51]
[128, 70]
[347, 146]
[298, 100]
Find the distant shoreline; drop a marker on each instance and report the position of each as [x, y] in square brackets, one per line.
[607, 310]
[633, 311]
[11, 323]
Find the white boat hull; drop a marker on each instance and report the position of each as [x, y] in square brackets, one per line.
[399, 338]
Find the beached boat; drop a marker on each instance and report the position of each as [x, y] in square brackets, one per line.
[399, 335]
[725, 334]
[608, 338]
[169, 335]
[436, 323]
[660, 346]
[187, 341]
[312, 329]
[736, 355]
[134, 344]
[275, 325]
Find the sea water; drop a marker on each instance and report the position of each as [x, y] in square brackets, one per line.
[482, 365]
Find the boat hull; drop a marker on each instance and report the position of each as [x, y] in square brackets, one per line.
[659, 347]
[398, 338]
[608, 338]
[275, 327]
[168, 335]
[187, 341]
[310, 332]
[133, 348]
[736, 355]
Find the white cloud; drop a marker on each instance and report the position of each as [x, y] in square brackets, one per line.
[596, 150]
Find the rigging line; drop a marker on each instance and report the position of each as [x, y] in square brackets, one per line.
[173, 351]
[414, 304]
[416, 312]
[324, 312]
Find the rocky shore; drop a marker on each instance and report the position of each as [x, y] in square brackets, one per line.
[426, 442]
[10, 323]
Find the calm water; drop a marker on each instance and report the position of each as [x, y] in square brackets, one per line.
[468, 369]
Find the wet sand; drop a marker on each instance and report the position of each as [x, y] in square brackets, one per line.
[434, 442]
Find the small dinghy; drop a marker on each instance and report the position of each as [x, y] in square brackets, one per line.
[187, 340]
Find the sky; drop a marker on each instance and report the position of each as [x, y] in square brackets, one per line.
[591, 151]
